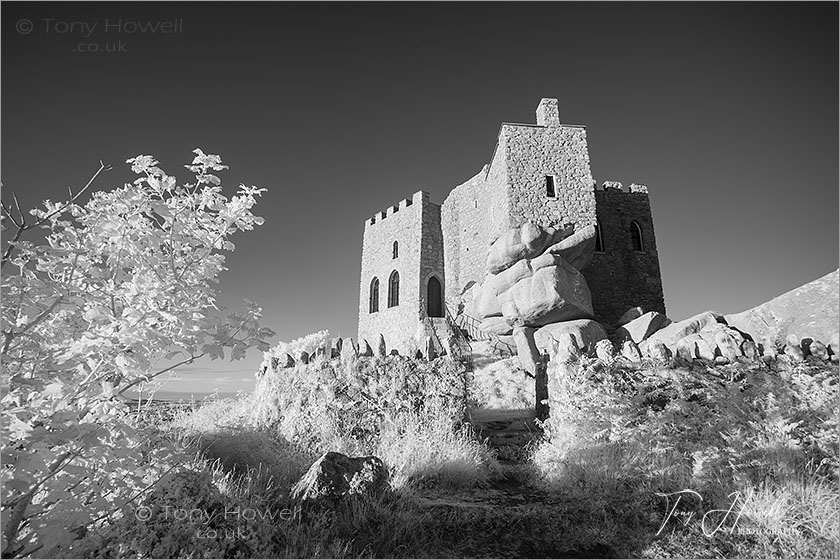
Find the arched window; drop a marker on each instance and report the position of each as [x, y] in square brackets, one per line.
[599, 238]
[394, 289]
[396, 250]
[374, 295]
[636, 238]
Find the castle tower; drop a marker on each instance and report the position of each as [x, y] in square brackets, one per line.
[402, 273]
[625, 268]
[537, 172]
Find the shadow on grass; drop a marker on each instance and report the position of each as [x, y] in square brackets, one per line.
[252, 452]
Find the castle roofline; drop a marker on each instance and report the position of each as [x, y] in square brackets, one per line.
[526, 125]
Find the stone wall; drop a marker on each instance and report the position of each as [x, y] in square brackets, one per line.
[620, 277]
[403, 223]
[533, 153]
[431, 249]
[472, 216]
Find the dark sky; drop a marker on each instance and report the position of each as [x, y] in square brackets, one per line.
[727, 111]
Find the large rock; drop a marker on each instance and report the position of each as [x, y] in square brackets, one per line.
[578, 248]
[673, 333]
[585, 331]
[526, 349]
[605, 351]
[552, 294]
[641, 328]
[496, 325]
[521, 243]
[349, 350]
[727, 345]
[629, 315]
[335, 476]
[564, 351]
[810, 311]
[694, 346]
[486, 303]
[630, 351]
[658, 351]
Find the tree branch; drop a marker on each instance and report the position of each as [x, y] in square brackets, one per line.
[23, 226]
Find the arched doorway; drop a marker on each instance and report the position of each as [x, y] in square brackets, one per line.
[434, 297]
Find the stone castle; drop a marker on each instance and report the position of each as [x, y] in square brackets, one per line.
[421, 259]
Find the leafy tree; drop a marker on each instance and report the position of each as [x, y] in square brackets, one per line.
[122, 286]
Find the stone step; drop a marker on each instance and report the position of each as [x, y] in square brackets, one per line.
[508, 439]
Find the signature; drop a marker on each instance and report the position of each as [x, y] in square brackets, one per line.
[713, 521]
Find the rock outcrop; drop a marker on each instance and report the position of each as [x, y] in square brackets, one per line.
[586, 332]
[533, 281]
[810, 311]
[533, 278]
[523, 242]
[551, 294]
[641, 327]
[673, 333]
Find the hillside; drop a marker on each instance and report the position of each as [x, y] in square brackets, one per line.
[812, 310]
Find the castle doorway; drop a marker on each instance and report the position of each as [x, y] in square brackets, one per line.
[434, 297]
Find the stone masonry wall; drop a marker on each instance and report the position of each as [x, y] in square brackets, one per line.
[532, 153]
[402, 223]
[472, 216]
[619, 277]
[431, 249]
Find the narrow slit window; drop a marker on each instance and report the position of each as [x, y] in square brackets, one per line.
[599, 238]
[374, 295]
[550, 188]
[636, 238]
[396, 250]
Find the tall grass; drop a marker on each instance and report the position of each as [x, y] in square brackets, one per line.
[757, 441]
[407, 412]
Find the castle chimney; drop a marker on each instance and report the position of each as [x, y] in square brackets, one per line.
[547, 112]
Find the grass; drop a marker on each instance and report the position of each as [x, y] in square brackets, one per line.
[757, 444]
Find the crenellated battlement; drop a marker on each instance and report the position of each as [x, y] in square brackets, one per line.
[617, 185]
[417, 200]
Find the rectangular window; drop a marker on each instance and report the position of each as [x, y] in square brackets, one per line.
[550, 190]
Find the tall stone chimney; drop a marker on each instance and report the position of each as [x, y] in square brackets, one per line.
[548, 113]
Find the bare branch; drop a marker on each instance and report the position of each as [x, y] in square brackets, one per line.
[23, 226]
[20, 212]
[9, 214]
[146, 378]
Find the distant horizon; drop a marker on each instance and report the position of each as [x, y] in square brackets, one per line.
[727, 112]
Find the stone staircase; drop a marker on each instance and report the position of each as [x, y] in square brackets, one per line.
[507, 431]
